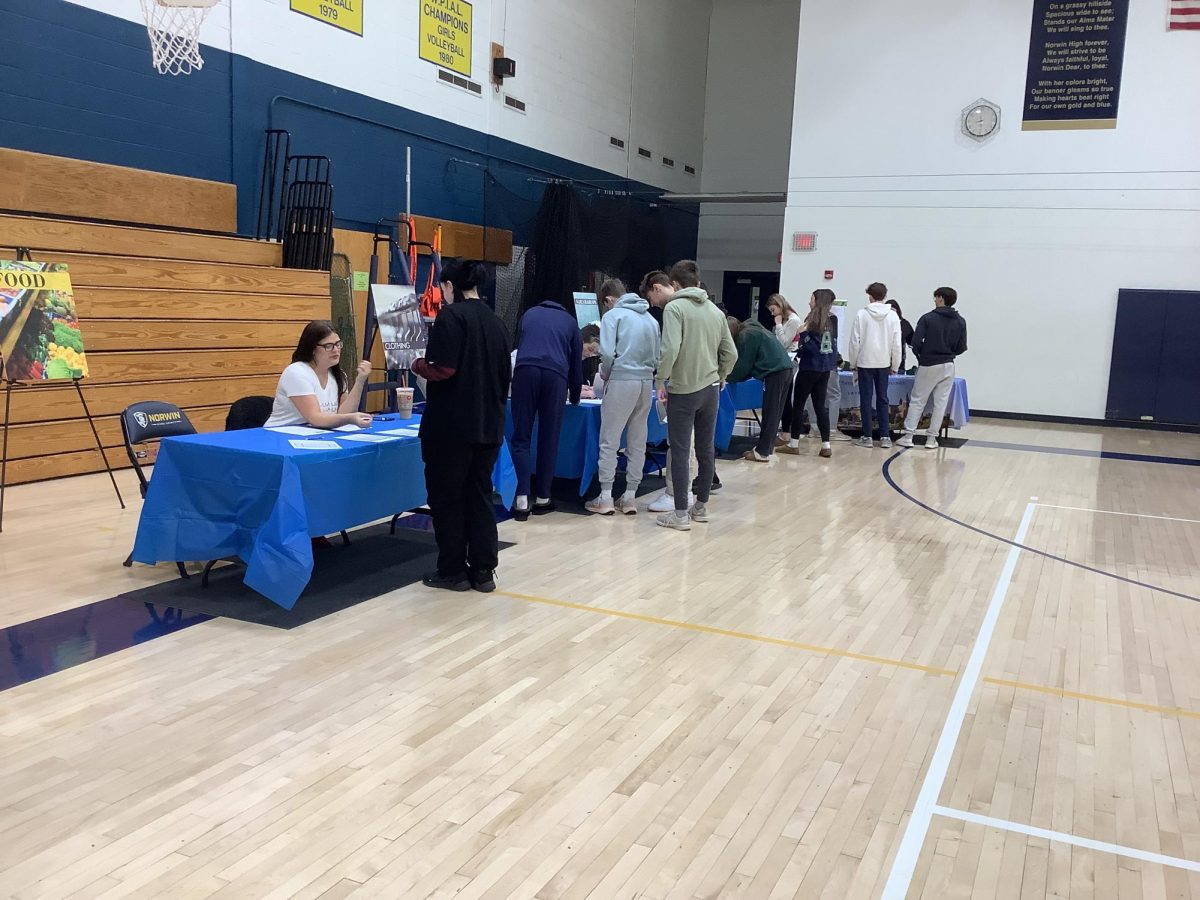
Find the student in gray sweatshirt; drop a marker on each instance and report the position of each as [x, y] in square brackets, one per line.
[630, 346]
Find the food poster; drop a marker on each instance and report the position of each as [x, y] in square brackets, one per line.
[40, 338]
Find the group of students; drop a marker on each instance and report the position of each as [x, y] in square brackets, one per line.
[470, 372]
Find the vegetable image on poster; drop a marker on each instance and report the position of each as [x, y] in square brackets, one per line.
[401, 328]
[40, 339]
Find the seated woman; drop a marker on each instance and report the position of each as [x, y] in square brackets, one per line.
[312, 390]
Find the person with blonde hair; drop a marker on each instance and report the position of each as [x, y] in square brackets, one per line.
[816, 361]
[788, 323]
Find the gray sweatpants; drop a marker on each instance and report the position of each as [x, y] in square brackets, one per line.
[933, 383]
[626, 405]
[688, 413]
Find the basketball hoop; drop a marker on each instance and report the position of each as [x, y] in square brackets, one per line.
[174, 28]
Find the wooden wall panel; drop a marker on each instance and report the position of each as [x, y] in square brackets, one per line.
[469, 241]
[127, 303]
[61, 465]
[47, 237]
[169, 334]
[151, 366]
[56, 185]
[74, 435]
[164, 274]
[43, 404]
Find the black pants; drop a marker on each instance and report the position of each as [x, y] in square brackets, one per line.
[815, 384]
[776, 388]
[458, 481]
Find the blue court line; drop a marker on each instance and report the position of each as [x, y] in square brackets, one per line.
[1094, 454]
[887, 476]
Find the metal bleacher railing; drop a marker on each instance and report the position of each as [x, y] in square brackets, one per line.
[295, 203]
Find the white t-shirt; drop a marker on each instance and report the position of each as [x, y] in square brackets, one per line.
[300, 380]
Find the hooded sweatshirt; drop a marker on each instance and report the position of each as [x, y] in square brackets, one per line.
[548, 337]
[697, 348]
[940, 336]
[875, 338]
[630, 344]
[759, 354]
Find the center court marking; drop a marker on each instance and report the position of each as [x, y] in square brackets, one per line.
[905, 863]
[1063, 838]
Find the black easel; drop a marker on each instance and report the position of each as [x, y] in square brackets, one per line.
[10, 385]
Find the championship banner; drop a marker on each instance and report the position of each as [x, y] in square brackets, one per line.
[344, 14]
[401, 328]
[446, 29]
[40, 338]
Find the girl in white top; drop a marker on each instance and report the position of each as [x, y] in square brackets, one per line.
[787, 324]
[312, 390]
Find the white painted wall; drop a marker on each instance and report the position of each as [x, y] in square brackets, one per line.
[632, 69]
[747, 131]
[1037, 230]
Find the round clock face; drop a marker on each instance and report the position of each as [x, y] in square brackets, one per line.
[980, 121]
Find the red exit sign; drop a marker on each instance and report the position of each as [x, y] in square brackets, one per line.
[804, 242]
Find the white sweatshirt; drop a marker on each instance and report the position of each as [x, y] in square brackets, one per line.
[875, 338]
[786, 333]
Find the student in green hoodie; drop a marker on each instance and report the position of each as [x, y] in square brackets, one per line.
[697, 356]
[761, 356]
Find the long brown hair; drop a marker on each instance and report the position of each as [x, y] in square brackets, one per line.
[822, 311]
[306, 349]
[785, 308]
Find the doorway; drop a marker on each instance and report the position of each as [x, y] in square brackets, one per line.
[745, 293]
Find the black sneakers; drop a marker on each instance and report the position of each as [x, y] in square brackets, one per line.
[459, 582]
[483, 580]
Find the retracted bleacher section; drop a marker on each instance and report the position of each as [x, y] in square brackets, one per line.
[172, 307]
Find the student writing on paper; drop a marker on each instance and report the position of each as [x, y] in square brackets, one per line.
[313, 388]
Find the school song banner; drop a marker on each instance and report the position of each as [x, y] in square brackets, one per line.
[40, 339]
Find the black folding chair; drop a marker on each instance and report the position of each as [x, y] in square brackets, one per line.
[249, 412]
[141, 423]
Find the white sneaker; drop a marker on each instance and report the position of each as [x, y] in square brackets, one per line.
[626, 503]
[885, 443]
[865, 441]
[666, 503]
[698, 512]
[931, 443]
[601, 505]
[905, 440]
[674, 520]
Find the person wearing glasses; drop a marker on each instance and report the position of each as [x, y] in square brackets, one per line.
[312, 390]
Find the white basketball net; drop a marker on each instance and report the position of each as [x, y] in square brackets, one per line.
[174, 28]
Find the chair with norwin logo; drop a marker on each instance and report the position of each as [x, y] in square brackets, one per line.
[151, 420]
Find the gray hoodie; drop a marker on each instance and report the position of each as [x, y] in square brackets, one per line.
[630, 344]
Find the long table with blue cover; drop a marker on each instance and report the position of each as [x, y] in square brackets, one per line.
[250, 494]
[958, 410]
[579, 439]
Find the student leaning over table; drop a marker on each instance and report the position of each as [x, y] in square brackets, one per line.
[313, 389]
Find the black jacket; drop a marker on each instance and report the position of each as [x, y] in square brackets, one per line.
[940, 336]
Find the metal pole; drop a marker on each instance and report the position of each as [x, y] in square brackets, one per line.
[408, 182]
[4, 452]
[99, 446]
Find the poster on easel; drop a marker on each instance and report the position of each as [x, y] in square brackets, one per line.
[401, 328]
[40, 338]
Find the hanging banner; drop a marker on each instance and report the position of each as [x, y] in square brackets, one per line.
[1076, 52]
[39, 330]
[344, 14]
[446, 30]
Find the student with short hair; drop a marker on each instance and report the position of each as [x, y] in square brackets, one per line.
[697, 356]
[590, 335]
[939, 338]
[874, 355]
[611, 290]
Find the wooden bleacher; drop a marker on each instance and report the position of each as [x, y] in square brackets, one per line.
[195, 319]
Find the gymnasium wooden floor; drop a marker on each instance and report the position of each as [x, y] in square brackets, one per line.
[754, 709]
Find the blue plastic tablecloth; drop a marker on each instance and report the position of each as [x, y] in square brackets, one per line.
[250, 494]
[579, 439]
[958, 410]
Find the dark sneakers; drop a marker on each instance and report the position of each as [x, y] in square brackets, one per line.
[483, 580]
[459, 582]
[716, 484]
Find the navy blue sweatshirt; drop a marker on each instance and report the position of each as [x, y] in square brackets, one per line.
[941, 335]
[549, 338]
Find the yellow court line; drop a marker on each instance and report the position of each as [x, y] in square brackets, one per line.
[1096, 698]
[743, 635]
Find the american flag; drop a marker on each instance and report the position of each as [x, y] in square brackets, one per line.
[1184, 15]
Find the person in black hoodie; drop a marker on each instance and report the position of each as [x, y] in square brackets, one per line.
[939, 337]
[467, 369]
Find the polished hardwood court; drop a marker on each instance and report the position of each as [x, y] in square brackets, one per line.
[750, 710]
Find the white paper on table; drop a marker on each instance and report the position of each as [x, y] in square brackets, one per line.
[402, 432]
[315, 445]
[378, 438]
[586, 402]
[302, 430]
[347, 428]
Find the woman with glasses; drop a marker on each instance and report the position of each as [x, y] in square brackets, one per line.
[312, 390]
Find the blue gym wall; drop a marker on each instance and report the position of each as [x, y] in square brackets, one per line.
[76, 82]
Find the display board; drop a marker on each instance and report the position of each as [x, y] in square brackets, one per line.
[40, 338]
[587, 309]
[401, 329]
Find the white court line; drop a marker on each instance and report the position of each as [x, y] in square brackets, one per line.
[1111, 512]
[1104, 847]
[900, 878]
